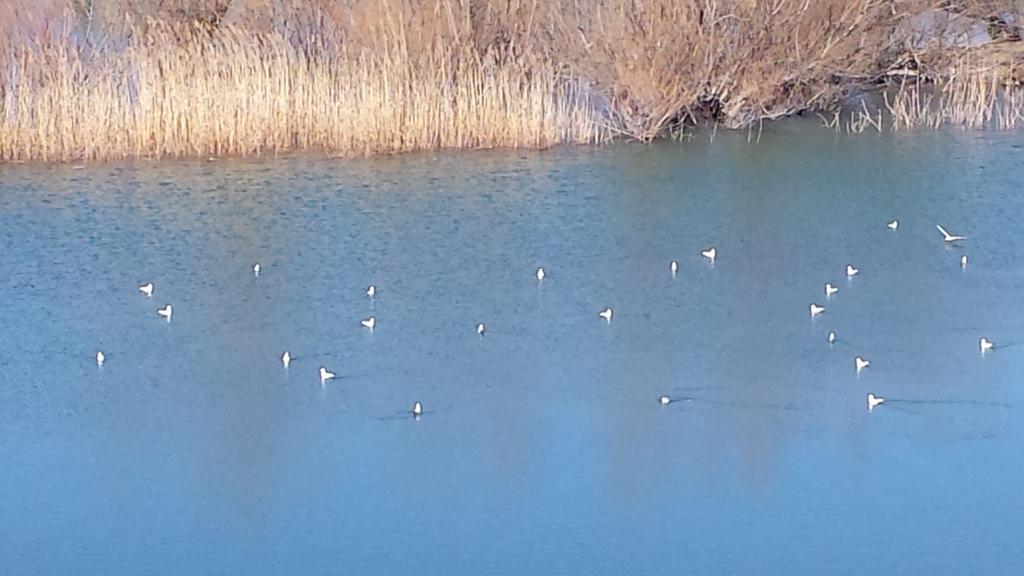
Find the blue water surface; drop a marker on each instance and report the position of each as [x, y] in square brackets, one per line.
[543, 448]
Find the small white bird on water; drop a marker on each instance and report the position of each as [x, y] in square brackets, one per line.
[371, 291]
[147, 289]
[417, 410]
[874, 401]
[606, 314]
[851, 271]
[165, 312]
[369, 323]
[100, 359]
[286, 359]
[710, 254]
[540, 274]
[985, 344]
[325, 375]
[481, 329]
[832, 337]
[861, 363]
[830, 290]
[256, 268]
[815, 310]
[673, 267]
[664, 400]
[894, 225]
[949, 237]
[963, 261]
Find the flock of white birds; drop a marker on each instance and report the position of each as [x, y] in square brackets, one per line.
[711, 254]
[860, 363]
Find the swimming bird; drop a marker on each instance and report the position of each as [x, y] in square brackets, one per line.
[369, 323]
[963, 261]
[256, 269]
[540, 274]
[874, 401]
[895, 224]
[710, 254]
[861, 363]
[949, 237]
[147, 289]
[286, 359]
[664, 400]
[100, 358]
[832, 337]
[815, 310]
[325, 375]
[606, 314]
[830, 290]
[371, 291]
[417, 410]
[481, 329]
[673, 267]
[851, 271]
[166, 312]
[985, 344]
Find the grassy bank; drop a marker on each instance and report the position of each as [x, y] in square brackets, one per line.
[88, 79]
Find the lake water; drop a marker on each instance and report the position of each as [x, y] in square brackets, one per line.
[543, 448]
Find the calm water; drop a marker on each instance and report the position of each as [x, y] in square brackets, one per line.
[543, 449]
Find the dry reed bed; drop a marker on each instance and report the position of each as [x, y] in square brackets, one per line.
[972, 94]
[189, 93]
[975, 93]
[379, 76]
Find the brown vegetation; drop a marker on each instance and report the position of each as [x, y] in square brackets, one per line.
[94, 79]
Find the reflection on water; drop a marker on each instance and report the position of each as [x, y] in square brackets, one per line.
[543, 448]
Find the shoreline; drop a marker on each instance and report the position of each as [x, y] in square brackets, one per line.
[394, 77]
